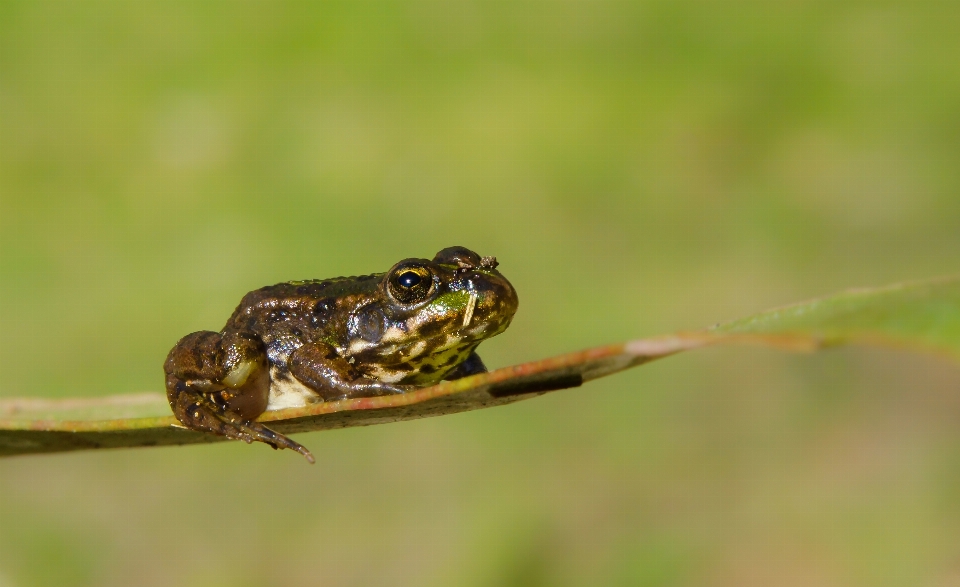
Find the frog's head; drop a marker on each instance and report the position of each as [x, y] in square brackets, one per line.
[429, 315]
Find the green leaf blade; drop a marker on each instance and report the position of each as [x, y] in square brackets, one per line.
[924, 316]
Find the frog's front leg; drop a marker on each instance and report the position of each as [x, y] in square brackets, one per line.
[472, 365]
[322, 369]
[220, 384]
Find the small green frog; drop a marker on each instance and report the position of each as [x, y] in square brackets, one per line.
[301, 342]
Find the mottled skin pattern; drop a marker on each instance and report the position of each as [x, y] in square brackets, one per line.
[347, 337]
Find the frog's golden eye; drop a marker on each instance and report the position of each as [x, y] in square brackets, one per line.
[411, 284]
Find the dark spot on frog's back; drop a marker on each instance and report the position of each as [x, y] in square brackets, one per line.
[277, 315]
[321, 310]
[323, 306]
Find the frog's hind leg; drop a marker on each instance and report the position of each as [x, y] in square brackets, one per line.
[219, 386]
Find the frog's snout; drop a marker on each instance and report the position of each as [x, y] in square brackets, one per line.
[495, 296]
[492, 297]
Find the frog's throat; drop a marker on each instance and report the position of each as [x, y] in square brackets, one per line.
[286, 391]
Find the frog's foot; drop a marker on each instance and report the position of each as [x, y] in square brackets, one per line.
[207, 412]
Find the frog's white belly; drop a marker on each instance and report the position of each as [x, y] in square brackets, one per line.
[288, 392]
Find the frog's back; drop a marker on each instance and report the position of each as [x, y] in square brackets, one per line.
[314, 289]
[314, 302]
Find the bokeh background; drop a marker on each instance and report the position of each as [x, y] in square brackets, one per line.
[638, 167]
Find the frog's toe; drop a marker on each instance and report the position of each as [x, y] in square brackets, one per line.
[254, 431]
[250, 431]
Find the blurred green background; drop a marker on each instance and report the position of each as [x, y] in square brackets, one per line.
[637, 167]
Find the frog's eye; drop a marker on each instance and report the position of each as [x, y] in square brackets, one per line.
[409, 279]
[410, 284]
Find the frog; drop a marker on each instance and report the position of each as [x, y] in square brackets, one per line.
[302, 342]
